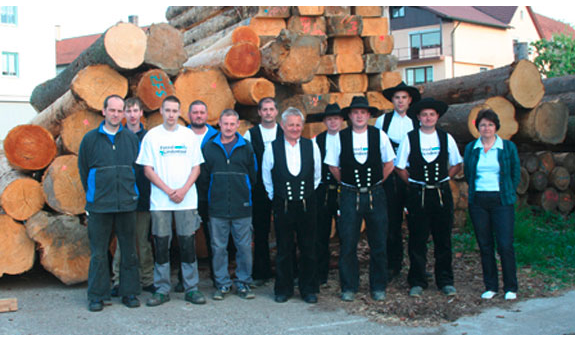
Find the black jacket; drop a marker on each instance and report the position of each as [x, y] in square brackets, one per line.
[143, 183]
[227, 180]
[107, 170]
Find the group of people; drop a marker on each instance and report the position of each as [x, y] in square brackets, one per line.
[177, 177]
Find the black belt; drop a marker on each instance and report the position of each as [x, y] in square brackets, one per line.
[362, 190]
[425, 187]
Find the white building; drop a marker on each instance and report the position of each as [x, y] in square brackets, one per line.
[28, 58]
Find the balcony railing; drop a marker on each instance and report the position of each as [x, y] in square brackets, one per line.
[415, 53]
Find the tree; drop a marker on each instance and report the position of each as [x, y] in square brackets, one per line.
[555, 57]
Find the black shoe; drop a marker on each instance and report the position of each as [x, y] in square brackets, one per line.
[310, 298]
[179, 287]
[150, 288]
[114, 292]
[131, 301]
[95, 305]
[281, 298]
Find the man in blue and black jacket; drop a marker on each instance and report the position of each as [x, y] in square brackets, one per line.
[106, 165]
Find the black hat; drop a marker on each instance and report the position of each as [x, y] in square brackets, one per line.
[330, 110]
[427, 103]
[359, 102]
[413, 92]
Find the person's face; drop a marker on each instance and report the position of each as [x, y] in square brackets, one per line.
[333, 123]
[198, 115]
[487, 128]
[401, 101]
[114, 113]
[428, 118]
[229, 126]
[293, 127]
[170, 112]
[133, 115]
[268, 112]
[359, 117]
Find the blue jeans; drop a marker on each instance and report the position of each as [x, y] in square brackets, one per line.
[241, 230]
[490, 217]
[374, 211]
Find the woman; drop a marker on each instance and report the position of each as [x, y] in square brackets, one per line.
[491, 167]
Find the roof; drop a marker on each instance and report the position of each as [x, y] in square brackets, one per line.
[550, 26]
[69, 49]
[501, 13]
[466, 14]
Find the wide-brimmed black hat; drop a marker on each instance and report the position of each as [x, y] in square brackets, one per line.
[330, 110]
[359, 102]
[427, 103]
[413, 92]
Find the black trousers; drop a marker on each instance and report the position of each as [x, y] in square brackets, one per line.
[327, 206]
[261, 220]
[396, 193]
[430, 213]
[295, 221]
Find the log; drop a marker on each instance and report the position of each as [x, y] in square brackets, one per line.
[152, 87]
[165, 48]
[62, 186]
[523, 182]
[349, 82]
[379, 45]
[191, 16]
[267, 26]
[337, 11]
[122, 47]
[368, 11]
[346, 45]
[557, 85]
[244, 126]
[238, 61]
[566, 202]
[384, 80]
[546, 161]
[374, 27]
[379, 63]
[546, 123]
[340, 64]
[174, 11]
[538, 181]
[51, 117]
[19, 195]
[308, 10]
[307, 25]
[310, 130]
[75, 126]
[274, 12]
[96, 82]
[209, 86]
[376, 98]
[212, 25]
[8, 305]
[18, 250]
[205, 43]
[548, 200]
[318, 85]
[291, 58]
[236, 35]
[566, 160]
[520, 82]
[344, 99]
[248, 114]
[342, 26]
[567, 98]
[560, 178]
[250, 91]
[63, 244]
[530, 162]
[29, 147]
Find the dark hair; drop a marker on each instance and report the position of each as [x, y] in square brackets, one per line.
[490, 115]
[266, 100]
[172, 99]
[110, 97]
[133, 101]
[197, 102]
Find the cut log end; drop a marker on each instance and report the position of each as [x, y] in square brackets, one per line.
[242, 60]
[525, 84]
[63, 189]
[29, 147]
[96, 82]
[504, 110]
[22, 198]
[17, 250]
[122, 38]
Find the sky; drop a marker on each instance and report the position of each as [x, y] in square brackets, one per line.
[84, 18]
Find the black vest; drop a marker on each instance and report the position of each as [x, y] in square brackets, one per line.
[326, 175]
[353, 173]
[422, 171]
[257, 141]
[287, 186]
[385, 127]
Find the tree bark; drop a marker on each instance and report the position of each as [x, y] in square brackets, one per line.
[524, 182]
[343, 26]
[191, 16]
[566, 160]
[378, 63]
[213, 25]
[29, 147]
[236, 35]
[174, 11]
[546, 123]
[205, 43]
[384, 80]
[63, 189]
[18, 250]
[241, 60]
[307, 25]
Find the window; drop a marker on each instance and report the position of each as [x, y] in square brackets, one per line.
[397, 12]
[9, 15]
[430, 39]
[10, 64]
[419, 75]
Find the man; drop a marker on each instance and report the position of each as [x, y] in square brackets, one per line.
[229, 172]
[291, 171]
[396, 125]
[361, 160]
[171, 157]
[427, 158]
[106, 166]
[133, 112]
[261, 136]
[326, 193]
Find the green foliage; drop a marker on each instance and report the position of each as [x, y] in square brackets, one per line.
[556, 57]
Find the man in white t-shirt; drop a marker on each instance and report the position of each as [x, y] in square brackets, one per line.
[171, 157]
[426, 159]
[361, 160]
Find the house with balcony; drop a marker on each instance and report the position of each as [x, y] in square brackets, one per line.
[439, 42]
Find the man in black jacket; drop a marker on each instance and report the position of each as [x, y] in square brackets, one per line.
[229, 173]
[106, 165]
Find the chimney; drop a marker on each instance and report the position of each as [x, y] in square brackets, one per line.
[133, 19]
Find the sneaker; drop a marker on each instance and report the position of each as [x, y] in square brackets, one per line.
[449, 290]
[510, 296]
[416, 291]
[149, 288]
[347, 296]
[245, 292]
[220, 293]
[95, 305]
[157, 299]
[131, 301]
[196, 297]
[378, 295]
[114, 291]
[488, 295]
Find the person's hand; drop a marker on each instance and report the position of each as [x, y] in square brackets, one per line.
[178, 195]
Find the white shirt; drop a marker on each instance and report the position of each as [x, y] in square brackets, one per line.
[398, 128]
[330, 141]
[268, 135]
[488, 168]
[429, 150]
[360, 149]
[293, 158]
[172, 154]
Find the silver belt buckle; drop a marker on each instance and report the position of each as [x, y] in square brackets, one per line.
[363, 190]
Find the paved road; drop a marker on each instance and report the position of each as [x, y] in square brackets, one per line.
[49, 307]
